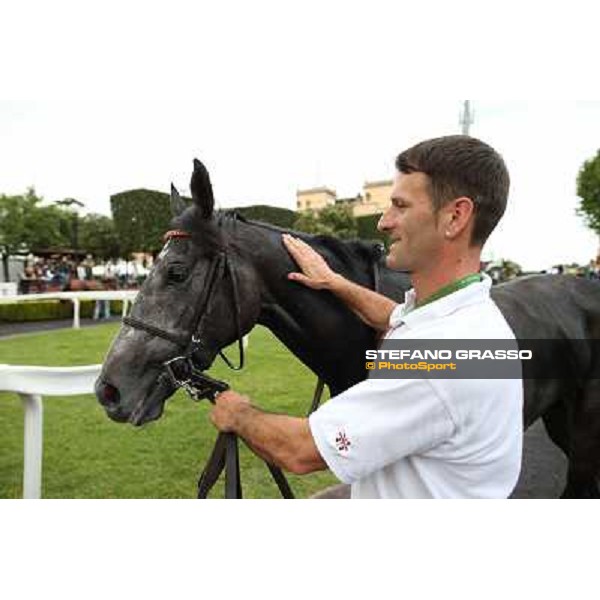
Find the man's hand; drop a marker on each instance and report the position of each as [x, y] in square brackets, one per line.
[373, 308]
[227, 409]
[316, 273]
[281, 440]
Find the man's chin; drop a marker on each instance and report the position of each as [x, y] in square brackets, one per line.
[391, 262]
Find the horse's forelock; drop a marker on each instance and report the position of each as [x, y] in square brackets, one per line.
[205, 233]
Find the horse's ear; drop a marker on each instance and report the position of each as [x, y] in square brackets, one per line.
[202, 192]
[177, 204]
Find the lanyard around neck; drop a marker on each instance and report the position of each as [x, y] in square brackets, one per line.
[459, 284]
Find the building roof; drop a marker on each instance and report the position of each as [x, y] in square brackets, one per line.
[316, 190]
[382, 183]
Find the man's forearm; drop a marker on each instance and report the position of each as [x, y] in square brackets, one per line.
[373, 308]
[279, 439]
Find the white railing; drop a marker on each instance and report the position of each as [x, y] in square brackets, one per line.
[8, 288]
[126, 296]
[32, 383]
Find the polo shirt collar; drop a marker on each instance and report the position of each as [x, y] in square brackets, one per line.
[407, 314]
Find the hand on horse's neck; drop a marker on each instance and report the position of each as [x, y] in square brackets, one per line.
[448, 269]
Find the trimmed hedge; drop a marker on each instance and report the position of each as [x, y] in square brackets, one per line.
[141, 218]
[281, 217]
[49, 310]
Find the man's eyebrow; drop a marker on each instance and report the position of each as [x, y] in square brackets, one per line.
[395, 198]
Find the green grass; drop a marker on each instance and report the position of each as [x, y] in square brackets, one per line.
[88, 456]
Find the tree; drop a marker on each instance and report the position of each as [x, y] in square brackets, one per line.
[97, 235]
[367, 229]
[25, 225]
[503, 270]
[71, 223]
[308, 221]
[588, 189]
[335, 220]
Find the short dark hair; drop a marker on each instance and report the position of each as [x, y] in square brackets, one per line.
[460, 165]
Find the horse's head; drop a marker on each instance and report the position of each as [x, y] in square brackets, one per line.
[189, 305]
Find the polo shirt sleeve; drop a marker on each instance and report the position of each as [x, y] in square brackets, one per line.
[378, 422]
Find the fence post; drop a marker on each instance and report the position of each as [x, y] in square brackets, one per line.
[75, 312]
[32, 443]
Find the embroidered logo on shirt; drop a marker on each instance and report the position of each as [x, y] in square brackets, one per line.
[342, 442]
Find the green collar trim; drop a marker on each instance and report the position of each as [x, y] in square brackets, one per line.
[459, 284]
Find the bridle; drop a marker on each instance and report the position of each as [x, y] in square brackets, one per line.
[184, 370]
[184, 373]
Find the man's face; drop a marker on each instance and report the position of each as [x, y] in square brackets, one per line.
[413, 228]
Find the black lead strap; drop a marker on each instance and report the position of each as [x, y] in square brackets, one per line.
[183, 374]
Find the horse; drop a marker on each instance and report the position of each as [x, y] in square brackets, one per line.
[191, 304]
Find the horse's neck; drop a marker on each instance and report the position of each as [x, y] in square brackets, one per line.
[317, 327]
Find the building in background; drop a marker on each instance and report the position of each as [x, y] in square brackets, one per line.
[374, 199]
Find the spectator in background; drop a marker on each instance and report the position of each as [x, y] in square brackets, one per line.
[81, 271]
[88, 265]
[25, 280]
[102, 306]
[63, 272]
[101, 309]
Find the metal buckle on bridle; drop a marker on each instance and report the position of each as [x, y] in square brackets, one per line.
[196, 383]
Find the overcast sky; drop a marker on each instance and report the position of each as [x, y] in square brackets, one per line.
[100, 99]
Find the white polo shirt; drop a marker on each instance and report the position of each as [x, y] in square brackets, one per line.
[429, 438]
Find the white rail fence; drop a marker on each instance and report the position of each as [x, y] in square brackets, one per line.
[126, 296]
[8, 289]
[32, 383]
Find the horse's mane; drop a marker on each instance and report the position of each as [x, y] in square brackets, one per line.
[347, 251]
[210, 234]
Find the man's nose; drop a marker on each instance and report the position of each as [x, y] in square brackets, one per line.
[383, 224]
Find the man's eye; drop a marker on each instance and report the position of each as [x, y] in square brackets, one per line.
[177, 274]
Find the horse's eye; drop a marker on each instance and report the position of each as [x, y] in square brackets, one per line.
[177, 273]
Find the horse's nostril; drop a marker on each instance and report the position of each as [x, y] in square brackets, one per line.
[108, 394]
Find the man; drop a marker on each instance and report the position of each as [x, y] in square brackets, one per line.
[412, 438]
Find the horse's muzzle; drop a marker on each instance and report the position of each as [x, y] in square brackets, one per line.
[108, 395]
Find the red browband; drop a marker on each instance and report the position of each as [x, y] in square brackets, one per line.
[176, 233]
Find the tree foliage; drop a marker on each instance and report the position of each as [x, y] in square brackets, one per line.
[141, 217]
[336, 220]
[588, 189]
[367, 228]
[503, 270]
[26, 225]
[97, 236]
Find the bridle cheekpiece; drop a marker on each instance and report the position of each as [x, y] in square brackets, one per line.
[181, 370]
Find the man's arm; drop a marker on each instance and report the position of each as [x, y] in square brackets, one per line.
[373, 308]
[279, 439]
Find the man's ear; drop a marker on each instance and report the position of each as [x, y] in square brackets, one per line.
[458, 216]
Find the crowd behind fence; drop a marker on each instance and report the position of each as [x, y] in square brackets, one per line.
[66, 273]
